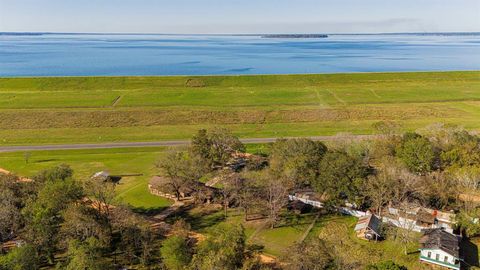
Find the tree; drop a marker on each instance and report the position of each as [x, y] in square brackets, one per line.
[468, 221]
[438, 190]
[43, 214]
[341, 177]
[275, 193]
[216, 147]
[223, 249]
[405, 233]
[380, 188]
[81, 222]
[135, 235]
[386, 265]
[85, 255]
[60, 172]
[462, 154]
[232, 185]
[180, 169]
[297, 159]
[11, 202]
[101, 195]
[20, 258]
[311, 255]
[417, 153]
[176, 254]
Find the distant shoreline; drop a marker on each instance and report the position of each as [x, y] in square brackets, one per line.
[295, 36]
[248, 35]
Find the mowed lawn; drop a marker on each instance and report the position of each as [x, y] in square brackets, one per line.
[130, 190]
[113, 109]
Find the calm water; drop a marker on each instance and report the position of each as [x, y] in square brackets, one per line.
[73, 55]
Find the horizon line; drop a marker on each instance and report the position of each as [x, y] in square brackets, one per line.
[231, 34]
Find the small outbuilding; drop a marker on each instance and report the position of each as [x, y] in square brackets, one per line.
[441, 248]
[369, 227]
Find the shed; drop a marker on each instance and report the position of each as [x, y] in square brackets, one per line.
[369, 227]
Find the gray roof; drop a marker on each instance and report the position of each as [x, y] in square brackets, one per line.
[369, 221]
[441, 239]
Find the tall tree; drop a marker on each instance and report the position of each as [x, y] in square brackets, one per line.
[275, 195]
[311, 255]
[43, 215]
[82, 222]
[297, 159]
[223, 249]
[417, 153]
[176, 253]
[180, 169]
[216, 147]
[135, 235]
[11, 202]
[85, 255]
[341, 177]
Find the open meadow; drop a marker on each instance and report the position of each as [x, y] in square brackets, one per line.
[113, 109]
[130, 190]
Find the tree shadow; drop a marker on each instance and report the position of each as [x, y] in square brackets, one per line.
[469, 253]
[148, 211]
[45, 160]
[198, 219]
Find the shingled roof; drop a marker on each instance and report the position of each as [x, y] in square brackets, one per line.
[369, 221]
[441, 239]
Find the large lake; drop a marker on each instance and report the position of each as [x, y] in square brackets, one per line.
[76, 55]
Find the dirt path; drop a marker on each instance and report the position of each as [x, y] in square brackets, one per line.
[310, 227]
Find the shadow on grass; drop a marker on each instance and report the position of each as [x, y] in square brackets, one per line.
[470, 254]
[148, 211]
[199, 218]
[45, 160]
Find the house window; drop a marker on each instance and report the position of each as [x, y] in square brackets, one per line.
[437, 257]
[429, 254]
[445, 259]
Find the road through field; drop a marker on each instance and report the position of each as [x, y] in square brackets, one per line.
[161, 143]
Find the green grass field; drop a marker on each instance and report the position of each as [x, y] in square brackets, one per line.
[131, 190]
[112, 109]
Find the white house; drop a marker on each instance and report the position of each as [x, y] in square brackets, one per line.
[441, 248]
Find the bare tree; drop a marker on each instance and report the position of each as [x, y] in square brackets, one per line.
[405, 234]
[179, 168]
[276, 196]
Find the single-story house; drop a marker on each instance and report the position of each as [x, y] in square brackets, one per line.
[369, 227]
[441, 248]
[160, 186]
[423, 218]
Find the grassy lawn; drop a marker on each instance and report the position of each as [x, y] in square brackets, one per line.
[339, 230]
[362, 250]
[112, 109]
[131, 190]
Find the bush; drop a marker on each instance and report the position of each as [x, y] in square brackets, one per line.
[195, 83]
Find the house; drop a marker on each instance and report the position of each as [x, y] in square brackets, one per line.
[369, 227]
[441, 248]
[161, 186]
[421, 218]
[308, 196]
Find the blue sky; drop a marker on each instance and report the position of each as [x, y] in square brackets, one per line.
[240, 16]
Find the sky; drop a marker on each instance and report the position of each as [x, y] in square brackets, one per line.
[239, 16]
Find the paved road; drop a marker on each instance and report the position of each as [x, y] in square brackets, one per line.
[157, 144]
